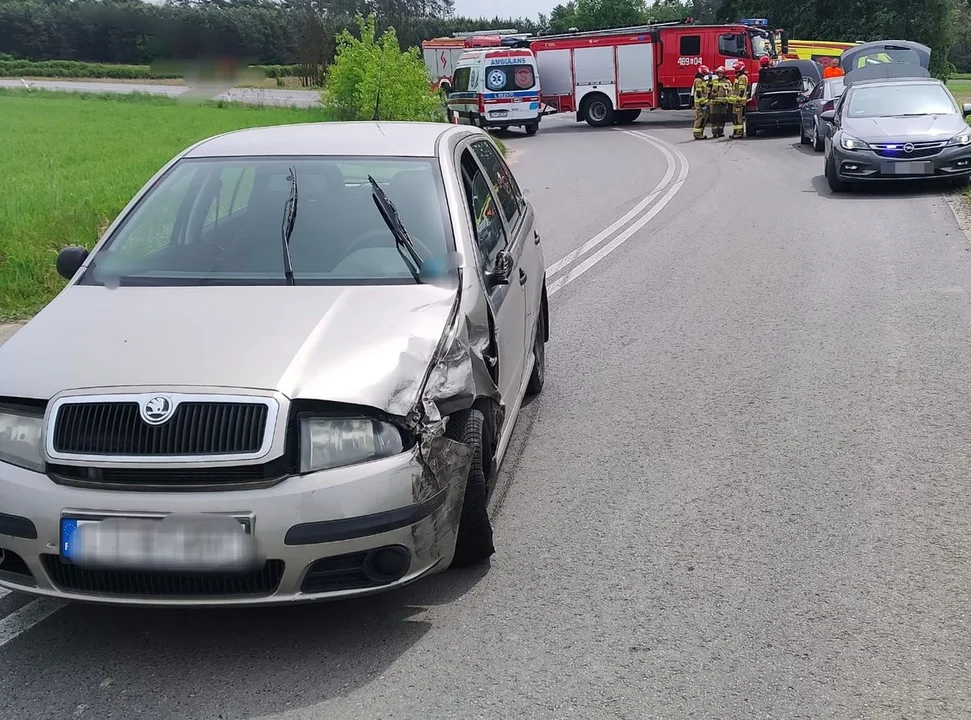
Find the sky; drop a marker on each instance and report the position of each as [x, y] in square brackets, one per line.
[503, 8]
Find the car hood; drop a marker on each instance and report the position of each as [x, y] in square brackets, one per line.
[916, 129]
[366, 345]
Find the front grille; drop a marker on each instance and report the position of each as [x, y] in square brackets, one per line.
[171, 479]
[124, 583]
[195, 428]
[921, 150]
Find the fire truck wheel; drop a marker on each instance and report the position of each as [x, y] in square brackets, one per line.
[531, 129]
[626, 117]
[598, 110]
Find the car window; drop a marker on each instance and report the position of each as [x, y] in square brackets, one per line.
[460, 82]
[219, 222]
[510, 197]
[817, 92]
[510, 78]
[900, 99]
[690, 45]
[834, 88]
[732, 45]
[490, 234]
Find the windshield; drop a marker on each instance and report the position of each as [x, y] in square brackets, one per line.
[888, 55]
[900, 99]
[218, 222]
[510, 78]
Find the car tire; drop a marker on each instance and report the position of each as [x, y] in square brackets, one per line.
[474, 542]
[818, 144]
[537, 377]
[751, 130]
[835, 184]
[803, 138]
[598, 111]
[531, 129]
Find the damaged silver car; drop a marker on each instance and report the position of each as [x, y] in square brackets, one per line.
[288, 371]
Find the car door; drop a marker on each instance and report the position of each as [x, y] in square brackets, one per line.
[811, 108]
[521, 220]
[497, 240]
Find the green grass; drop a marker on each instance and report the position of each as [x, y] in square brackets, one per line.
[961, 88]
[75, 69]
[72, 161]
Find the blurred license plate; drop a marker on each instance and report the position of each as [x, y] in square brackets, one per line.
[176, 542]
[498, 113]
[908, 168]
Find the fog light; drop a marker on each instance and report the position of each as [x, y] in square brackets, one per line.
[962, 163]
[852, 168]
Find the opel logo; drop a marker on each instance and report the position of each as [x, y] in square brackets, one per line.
[909, 148]
[157, 410]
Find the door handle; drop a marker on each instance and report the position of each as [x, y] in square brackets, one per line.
[522, 277]
[535, 237]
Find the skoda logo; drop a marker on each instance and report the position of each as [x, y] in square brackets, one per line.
[909, 148]
[157, 410]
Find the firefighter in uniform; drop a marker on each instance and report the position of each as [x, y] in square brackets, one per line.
[721, 91]
[740, 97]
[701, 89]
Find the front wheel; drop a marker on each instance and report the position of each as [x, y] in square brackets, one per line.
[818, 144]
[835, 184]
[803, 138]
[531, 129]
[599, 112]
[474, 543]
[961, 182]
[751, 130]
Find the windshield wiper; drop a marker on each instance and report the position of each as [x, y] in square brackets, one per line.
[402, 239]
[289, 218]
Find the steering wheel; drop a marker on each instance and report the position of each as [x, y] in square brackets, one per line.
[362, 241]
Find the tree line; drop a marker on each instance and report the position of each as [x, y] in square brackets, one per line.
[287, 32]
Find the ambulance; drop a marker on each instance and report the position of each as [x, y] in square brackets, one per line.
[496, 88]
[441, 54]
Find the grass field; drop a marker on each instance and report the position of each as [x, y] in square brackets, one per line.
[961, 87]
[71, 162]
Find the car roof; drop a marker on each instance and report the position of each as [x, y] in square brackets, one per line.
[387, 139]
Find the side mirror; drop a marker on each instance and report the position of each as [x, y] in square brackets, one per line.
[70, 260]
[967, 109]
[829, 116]
[502, 272]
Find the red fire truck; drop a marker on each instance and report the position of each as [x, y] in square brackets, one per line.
[610, 76]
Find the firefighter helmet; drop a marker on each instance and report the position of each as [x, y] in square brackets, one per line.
[764, 61]
[739, 66]
[720, 70]
[704, 70]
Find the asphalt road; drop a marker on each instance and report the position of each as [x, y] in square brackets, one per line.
[252, 96]
[743, 492]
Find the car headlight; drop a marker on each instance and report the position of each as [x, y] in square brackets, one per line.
[962, 139]
[20, 439]
[327, 443]
[851, 143]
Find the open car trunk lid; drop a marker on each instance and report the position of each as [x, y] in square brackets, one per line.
[778, 89]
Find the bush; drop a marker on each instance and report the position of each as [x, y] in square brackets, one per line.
[370, 70]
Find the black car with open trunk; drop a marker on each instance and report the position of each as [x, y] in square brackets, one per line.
[779, 93]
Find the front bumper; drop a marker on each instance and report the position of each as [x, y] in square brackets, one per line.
[317, 532]
[776, 119]
[868, 165]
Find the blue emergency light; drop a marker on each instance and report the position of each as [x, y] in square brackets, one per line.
[757, 22]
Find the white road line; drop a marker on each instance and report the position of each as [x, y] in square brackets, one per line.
[3, 592]
[607, 232]
[577, 271]
[26, 617]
